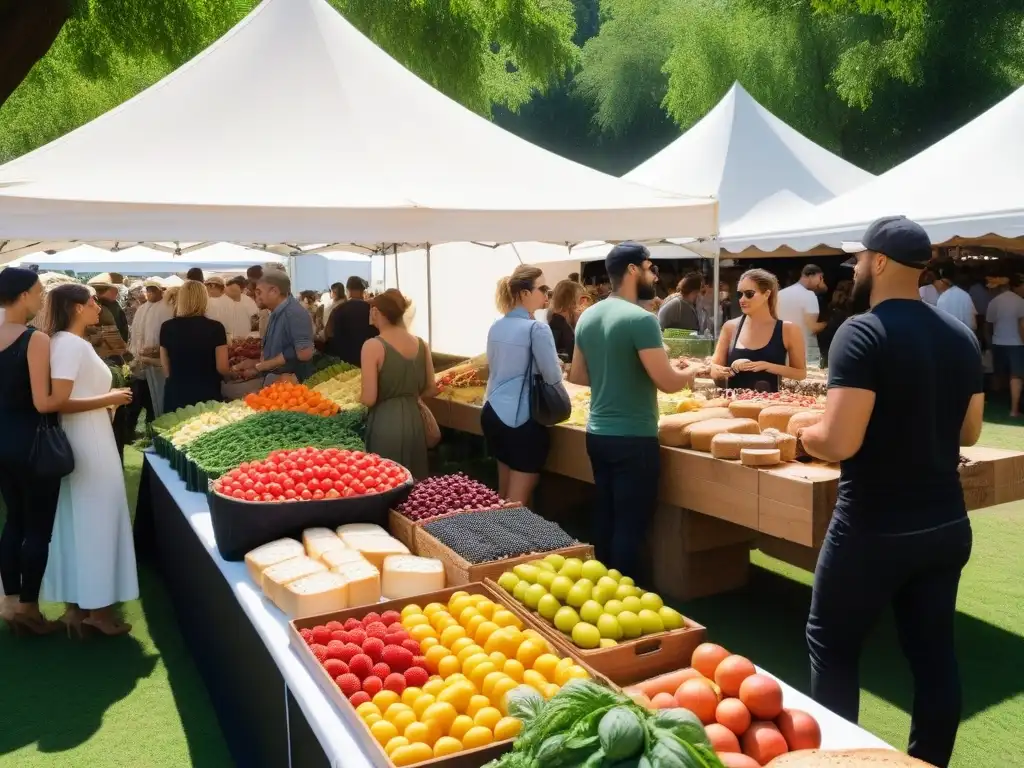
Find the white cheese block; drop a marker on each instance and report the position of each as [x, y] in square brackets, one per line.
[375, 548]
[332, 558]
[319, 540]
[363, 581]
[408, 575]
[314, 595]
[760, 457]
[362, 528]
[277, 576]
[727, 445]
[270, 554]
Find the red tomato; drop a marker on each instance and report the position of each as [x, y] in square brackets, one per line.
[306, 495]
[289, 494]
[318, 495]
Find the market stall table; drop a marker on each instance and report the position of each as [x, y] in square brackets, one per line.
[270, 709]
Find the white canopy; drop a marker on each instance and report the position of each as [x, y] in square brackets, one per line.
[757, 166]
[140, 260]
[225, 149]
[968, 185]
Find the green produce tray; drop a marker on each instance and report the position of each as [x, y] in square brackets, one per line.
[690, 347]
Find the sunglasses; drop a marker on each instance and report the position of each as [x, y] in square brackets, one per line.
[748, 295]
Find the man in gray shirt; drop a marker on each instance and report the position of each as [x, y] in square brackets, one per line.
[682, 311]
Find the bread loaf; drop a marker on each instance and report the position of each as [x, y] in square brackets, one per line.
[778, 416]
[803, 420]
[760, 457]
[785, 442]
[672, 427]
[747, 409]
[703, 432]
[851, 758]
[727, 445]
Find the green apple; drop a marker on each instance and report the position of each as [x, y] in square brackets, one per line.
[560, 587]
[651, 601]
[565, 619]
[545, 577]
[508, 581]
[591, 611]
[602, 593]
[519, 593]
[585, 635]
[594, 570]
[542, 565]
[533, 595]
[627, 580]
[548, 606]
[614, 607]
[614, 574]
[670, 618]
[630, 624]
[632, 604]
[607, 582]
[572, 567]
[607, 642]
[608, 626]
[626, 590]
[578, 595]
[650, 622]
[556, 560]
[526, 572]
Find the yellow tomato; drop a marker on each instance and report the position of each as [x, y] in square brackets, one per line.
[367, 708]
[403, 720]
[480, 672]
[451, 634]
[466, 614]
[460, 725]
[473, 624]
[461, 644]
[434, 655]
[421, 704]
[488, 717]
[507, 728]
[484, 630]
[431, 608]
[395, 743]
[500, 691]
[446, 745]
[394, 709]
[546, 664]
[514, 669]
[433, 686]
[498, 658]
[491, 681]
[422, 733]
[412, 754]
[448, 666]
[477, 736]
[410, 694]
[486, 607]
[457, 605]
[383, 731]
[549, 690]
[371, 718]
[534, 679]
[476, 703]
[528, 653]
[421, 632]
[505, 618]
[385, 699]
[470, 664]
[410, 610]
[427, 643]
[469, 650]
[415, 620]
[442, 713]
[458, 695]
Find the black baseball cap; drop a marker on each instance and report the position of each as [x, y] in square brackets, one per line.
[897, 237]
[622, 255]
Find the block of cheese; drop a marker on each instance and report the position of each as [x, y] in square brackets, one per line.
[375, 548]
[270, 554]
[363, 580]
[408, 575]
[786, 443]
[760, 457]
[778, 416]
[727, 445]
[319, 540]
[703, 432]
[332, 558]
[672, 427]
[362, 529]
[803, 420]
[747, 409]
[314, 595]
[276, 577]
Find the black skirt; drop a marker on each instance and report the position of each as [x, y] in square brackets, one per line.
[521, 449]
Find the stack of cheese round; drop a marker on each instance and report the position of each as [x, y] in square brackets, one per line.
[673, 429]
[703, 432]
[852, 758]
[803, 420]
[747, 409]
[760, 457]
[727, 445]
[778, 416]
[785, 442]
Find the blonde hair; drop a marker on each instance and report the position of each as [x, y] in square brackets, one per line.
[523, 278]
[191, 300]
[765, 282]
[565, 299]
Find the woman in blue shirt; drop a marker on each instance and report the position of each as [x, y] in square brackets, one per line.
[517, 344]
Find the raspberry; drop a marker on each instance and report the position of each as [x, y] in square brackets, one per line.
[349, 684]
[397, 657]
[335, 626]
[370, 618]
[376, 630]
[395, 682]
[349, 651]
[335, 649]
[416, 677]
[320, 651]
[336, 668]
[357, 636]
[307, 635]
[373, 685]
[411, 646]
[373, 647]
[381, 670]
[353, 624]
[360, 665]
[396, 638]
[340, 635]
[358, 698]
[321, 635]
[390, 617]
[419, 661]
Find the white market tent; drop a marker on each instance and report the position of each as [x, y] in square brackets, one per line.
[213, 152]
[966, 187]
[141, 260]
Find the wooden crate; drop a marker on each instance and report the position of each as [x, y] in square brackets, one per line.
[460, 571]
[628, 662]
[472, 758]
[409, 532]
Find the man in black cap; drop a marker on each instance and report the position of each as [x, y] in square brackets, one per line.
[620, 354]
[905, 392]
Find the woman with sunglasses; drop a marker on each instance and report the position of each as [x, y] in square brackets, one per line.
[757, 349]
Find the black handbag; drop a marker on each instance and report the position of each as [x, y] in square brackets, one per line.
[549, 403]
[51, 456]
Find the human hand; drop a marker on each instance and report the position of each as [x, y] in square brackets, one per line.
[757, 366]
[720, 371]
[245, 365]
[119, 397]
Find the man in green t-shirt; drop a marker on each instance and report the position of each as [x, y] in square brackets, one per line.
[621, 355]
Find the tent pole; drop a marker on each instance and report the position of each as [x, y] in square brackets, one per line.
[717, 305]
[395, 251]
[430, 303]
[290, 264]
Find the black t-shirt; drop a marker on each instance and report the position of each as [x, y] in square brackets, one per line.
[350, 327]
[564, 335]
[924, 366]
[191, 344]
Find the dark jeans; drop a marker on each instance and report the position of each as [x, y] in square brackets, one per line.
[31, 504]
[141, 401]
[857, 576]
[626, 473]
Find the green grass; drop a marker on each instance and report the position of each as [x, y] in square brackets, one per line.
[139, 702]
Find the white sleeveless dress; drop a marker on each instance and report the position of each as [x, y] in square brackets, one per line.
[92, 555]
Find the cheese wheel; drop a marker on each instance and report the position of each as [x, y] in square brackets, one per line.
[778, 416]
[727, 445]
[760, 457]
[786, 443]
[672, 427]
[270, 554]
[851, 758]
[803, 420]
[703, 432]
[747, 409]
[314, 595]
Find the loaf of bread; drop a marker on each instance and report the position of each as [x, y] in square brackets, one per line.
[851, 758]
[747, 409]
[727, 445]
[672, 427]
[760, 457]
[785, 442]
[803, 420]
[703, 432]
[778, 416]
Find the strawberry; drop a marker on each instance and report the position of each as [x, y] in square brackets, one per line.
[353, 624]
[373, 647]
[321, 635]
[335, 649]
[373, 685]
[320, 651]
[307, 635]
[335, 626]
[358, 698]
[397, 657]
[357, 636]
[390, 617]
[336, 668]
[396, 637]
[349, 651]
[340, 635]
[381, 670]
[395, 682]
[370, 618]
[416, 677]
[376, 629]
[411, 646]
[360, 665]
[349, 684]
[419, 661]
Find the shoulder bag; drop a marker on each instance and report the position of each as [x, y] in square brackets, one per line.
[549, 403]
[51, 456]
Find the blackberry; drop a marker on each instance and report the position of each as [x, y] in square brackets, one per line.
[498, 534]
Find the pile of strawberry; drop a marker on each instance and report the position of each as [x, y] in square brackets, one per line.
[365, 657]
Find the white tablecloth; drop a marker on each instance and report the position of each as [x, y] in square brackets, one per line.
[336, 734]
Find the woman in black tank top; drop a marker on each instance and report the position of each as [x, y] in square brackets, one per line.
[757, 350]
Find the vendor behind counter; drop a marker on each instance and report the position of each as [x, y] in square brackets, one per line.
[288, 342]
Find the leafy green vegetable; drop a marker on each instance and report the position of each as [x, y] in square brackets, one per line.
[328, 368]
[621, 733]
[682, 723]
[524, 704]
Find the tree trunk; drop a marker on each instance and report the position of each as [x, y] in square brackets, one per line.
[27, 30]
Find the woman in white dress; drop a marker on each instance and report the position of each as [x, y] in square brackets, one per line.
[92, 556]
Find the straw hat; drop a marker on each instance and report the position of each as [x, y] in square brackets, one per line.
[106, 280]
[153, 282]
